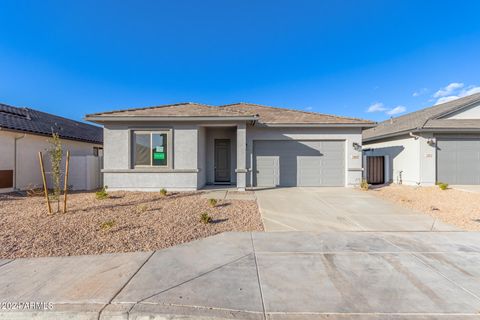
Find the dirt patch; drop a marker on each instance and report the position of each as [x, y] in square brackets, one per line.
[124, 222]
[458, 208]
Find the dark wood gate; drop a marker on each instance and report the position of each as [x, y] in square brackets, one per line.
[375, 169]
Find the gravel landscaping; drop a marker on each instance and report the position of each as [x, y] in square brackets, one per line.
[458, 208]
[125, 221]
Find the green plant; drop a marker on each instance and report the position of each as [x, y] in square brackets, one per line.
[212, 202]
[56, 155]
[205, 218]
[163, 192]
[142, 208]
[364, 185]
[102, 193]
[107, 224]
[443, 186]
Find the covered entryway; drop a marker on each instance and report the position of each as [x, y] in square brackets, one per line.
[458, 161]
[306, 163]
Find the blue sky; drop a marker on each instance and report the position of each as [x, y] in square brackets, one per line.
[339, 57]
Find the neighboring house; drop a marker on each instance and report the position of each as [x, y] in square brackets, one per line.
[188, 145]
[24, 132]
[436, 144]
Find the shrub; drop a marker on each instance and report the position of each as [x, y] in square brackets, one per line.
[212, 202]
[443, 186]
[364, 185]
[102, 193]
[142, 208]
[107, 224]
[205, 218]
[163, 192]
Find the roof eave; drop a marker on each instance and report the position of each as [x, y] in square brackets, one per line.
[42, 134]
[314, 125]
[417, 130]
[102, 119]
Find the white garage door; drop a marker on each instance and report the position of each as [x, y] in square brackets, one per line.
[458, 161]
[303, 163]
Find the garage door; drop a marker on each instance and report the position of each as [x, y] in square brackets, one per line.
[299, 163]
[458, 161]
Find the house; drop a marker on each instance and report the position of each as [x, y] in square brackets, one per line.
[24, 132]
[185, 146]
[436, 144]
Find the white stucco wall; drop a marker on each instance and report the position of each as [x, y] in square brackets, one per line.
[353, 158]
[28, 167]
[411, 161]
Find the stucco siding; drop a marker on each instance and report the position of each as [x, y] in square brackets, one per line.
[470, 113]
[202, 157]
[151, 181]
[116, 151]
[221, 133]
[353, 158]
[119, 173]
[28, 167]
[403, 156]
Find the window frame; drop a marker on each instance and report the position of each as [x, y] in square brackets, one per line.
[151, 132]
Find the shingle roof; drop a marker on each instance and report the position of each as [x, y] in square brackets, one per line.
[37, 122]
[265, 114]
[184, 109]
[425, 118]
[274, 115]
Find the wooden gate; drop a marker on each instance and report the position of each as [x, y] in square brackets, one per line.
[375, 169]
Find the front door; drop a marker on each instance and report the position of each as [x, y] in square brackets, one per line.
[222, 160]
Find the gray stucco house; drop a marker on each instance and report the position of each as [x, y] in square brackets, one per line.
[188, 145]
[436, 144]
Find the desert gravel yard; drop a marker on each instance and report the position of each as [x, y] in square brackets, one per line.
[124, 222]
[459, 208]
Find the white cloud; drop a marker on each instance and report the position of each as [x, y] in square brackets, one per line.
[308, 108]
[376, 107]
[446, 99]
[396, 110]
[458, 94]
[472, 90]
[419, 92]
[448, 90]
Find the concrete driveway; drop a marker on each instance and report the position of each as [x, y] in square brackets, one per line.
[283, 275]
[338, 209]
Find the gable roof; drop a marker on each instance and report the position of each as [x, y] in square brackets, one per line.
[428, 118]
[241, 111]
[41, 123]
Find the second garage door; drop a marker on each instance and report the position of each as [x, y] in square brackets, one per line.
[458, 161]
[299, 163]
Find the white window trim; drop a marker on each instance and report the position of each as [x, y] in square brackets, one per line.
[168, 132]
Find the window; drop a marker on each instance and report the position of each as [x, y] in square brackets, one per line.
[97, 151]
[151, 148]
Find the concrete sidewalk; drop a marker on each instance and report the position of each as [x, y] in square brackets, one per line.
[287, 275]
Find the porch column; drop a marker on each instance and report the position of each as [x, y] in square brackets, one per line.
[241, 169]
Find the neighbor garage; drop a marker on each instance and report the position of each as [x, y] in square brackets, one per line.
[458, 161]
[303, 163]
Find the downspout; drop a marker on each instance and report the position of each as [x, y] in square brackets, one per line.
[15, 160]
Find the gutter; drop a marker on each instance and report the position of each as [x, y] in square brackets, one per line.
[315, 125]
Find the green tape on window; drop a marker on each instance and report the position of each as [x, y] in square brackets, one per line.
[159, 156]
